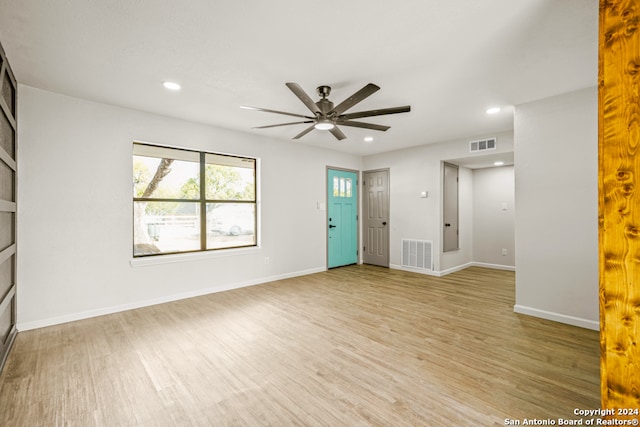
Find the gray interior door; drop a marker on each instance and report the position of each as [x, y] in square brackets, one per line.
[375, 206]
[450, 210]
[8, 169]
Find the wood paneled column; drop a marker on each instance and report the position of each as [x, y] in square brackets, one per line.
[619, 203]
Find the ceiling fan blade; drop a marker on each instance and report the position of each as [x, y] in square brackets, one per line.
[355, 98]
[380, 112]
[282, 124]
[363, 125]
[277, 112]
[337, 133]
[304, 132]
[306, 100]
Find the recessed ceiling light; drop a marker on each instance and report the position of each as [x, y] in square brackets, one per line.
[493, 110]
[498, 163]
[171, 85]
[368, 138]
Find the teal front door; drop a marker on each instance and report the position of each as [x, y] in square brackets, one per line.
[342, 218]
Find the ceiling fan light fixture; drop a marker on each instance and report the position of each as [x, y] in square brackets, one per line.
[324, 125]
[171, 85]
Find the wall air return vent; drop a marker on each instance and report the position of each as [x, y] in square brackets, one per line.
[417, 254]
[482, 145]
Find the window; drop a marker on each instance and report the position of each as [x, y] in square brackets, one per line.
[186, 201]
[341, 187]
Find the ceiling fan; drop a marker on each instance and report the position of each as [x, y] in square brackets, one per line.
[327, 117]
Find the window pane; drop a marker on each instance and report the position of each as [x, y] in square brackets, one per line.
[7, 135]
[6, 321]
[230, 225]
[7, 229]
[9, 94]
[7, 183]
[165, 173]
[7, 275]
[165, 227]
[229, 178]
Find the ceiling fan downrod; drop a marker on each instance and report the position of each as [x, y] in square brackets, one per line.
[323, 91]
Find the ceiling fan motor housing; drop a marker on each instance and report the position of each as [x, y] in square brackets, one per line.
[324, 105]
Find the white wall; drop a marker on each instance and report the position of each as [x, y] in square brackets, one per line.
[493, 226]
[75, 228]
[556, 171]
[419, 169]
[75, 208]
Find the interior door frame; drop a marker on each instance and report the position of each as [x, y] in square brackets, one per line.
[326, 216]
[388, 210]
[446, 165]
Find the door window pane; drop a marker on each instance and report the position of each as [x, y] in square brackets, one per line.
[7, 135]
[342, 187]
[6, 321]
[7, 275]
[7, 182]
[9, 94]
[7, 230]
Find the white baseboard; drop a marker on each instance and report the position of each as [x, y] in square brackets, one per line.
[557, 317]
[456, 268]
[442, 273]
[415, 270]
[494, 266]
[25, 326]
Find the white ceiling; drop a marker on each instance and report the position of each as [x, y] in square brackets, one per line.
[449, 60]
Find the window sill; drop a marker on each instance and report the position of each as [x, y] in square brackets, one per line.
[193, 256]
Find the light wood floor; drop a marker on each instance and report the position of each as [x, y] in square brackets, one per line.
[353, 346]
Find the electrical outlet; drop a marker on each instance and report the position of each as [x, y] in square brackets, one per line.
[504, 252]
[266, 260]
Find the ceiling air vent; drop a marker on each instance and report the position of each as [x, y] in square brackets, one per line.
[482, 145]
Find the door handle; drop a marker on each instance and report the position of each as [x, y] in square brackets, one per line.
[447, 225]
[384, 222]
[332, 226]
